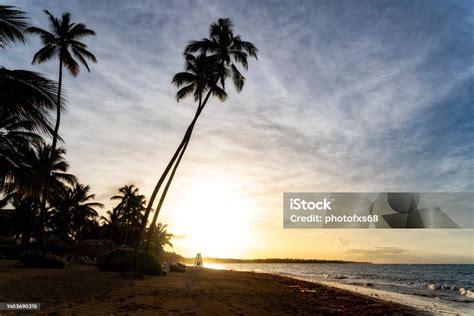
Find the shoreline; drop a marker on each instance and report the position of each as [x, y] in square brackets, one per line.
[421, 302]
[80, 289]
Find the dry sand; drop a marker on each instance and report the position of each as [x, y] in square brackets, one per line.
[84, 290]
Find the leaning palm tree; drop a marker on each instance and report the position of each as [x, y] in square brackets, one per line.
[12, 23]
[199, 80]
[62, 41]
[216, 62]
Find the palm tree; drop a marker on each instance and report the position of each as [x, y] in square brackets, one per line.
[42, 177]
[26, 211]
[12, 24]
[23, 93]
[63, 42]
[131, 205]
[159, 239]
[73, 210]
[15, 138]
[112, 223]
[217, 61]
[29, 96]
[229, 50]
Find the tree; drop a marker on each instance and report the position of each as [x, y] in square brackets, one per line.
[42, 177]
[63, 42]
[216, 61]
[15, 138]
[12, 24]
[159, 239]
[131, 206]
[72, 210]
[25, 94]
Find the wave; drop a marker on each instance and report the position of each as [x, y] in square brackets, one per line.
[461, 290]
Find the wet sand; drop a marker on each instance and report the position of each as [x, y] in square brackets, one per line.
[84, 290]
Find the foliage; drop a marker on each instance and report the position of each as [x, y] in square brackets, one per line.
[62, 40]
[12, 24]
[35, 259]
[57, 246]
[94, 248]
[160, 239]
[122, 260]
[124, 220]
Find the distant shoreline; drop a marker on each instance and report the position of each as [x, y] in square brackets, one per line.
[271, 260]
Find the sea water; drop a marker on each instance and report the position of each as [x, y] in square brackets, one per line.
[449, 283]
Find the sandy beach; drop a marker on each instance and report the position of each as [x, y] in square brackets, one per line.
[82, 289]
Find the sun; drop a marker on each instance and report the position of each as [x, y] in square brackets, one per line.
[214, 218]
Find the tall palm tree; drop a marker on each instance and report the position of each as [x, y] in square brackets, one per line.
[199, 80]
[12, 23]
[62, 41]
[218, 56]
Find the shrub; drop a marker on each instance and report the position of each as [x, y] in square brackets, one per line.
[34, 259]
[9, 249]
[94, 248]
[122, 260]
[57, 246]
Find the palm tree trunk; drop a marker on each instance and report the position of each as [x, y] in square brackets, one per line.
[51, 155]
[165, 173]
[165, 191]
[163, 195]
[42, 222]
[58, 111]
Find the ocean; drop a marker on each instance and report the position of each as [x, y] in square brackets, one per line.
[442, 283]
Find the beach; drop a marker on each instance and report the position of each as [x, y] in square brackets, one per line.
[83, 289]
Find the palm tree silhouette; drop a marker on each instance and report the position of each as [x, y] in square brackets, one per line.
[130, 207]
[63, 42]
[42, 177]
[229, 50]
[16, 134]
[73, 210]
[12, 24]
[159, 239]
[23, 93]
[217, 59]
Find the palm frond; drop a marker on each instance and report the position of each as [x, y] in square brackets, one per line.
[12, 24]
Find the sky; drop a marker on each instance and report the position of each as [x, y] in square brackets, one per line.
[348, 96]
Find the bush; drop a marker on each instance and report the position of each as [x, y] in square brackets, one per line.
[57, 246]
[121, 260]
[34, 259]
[94, 248]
